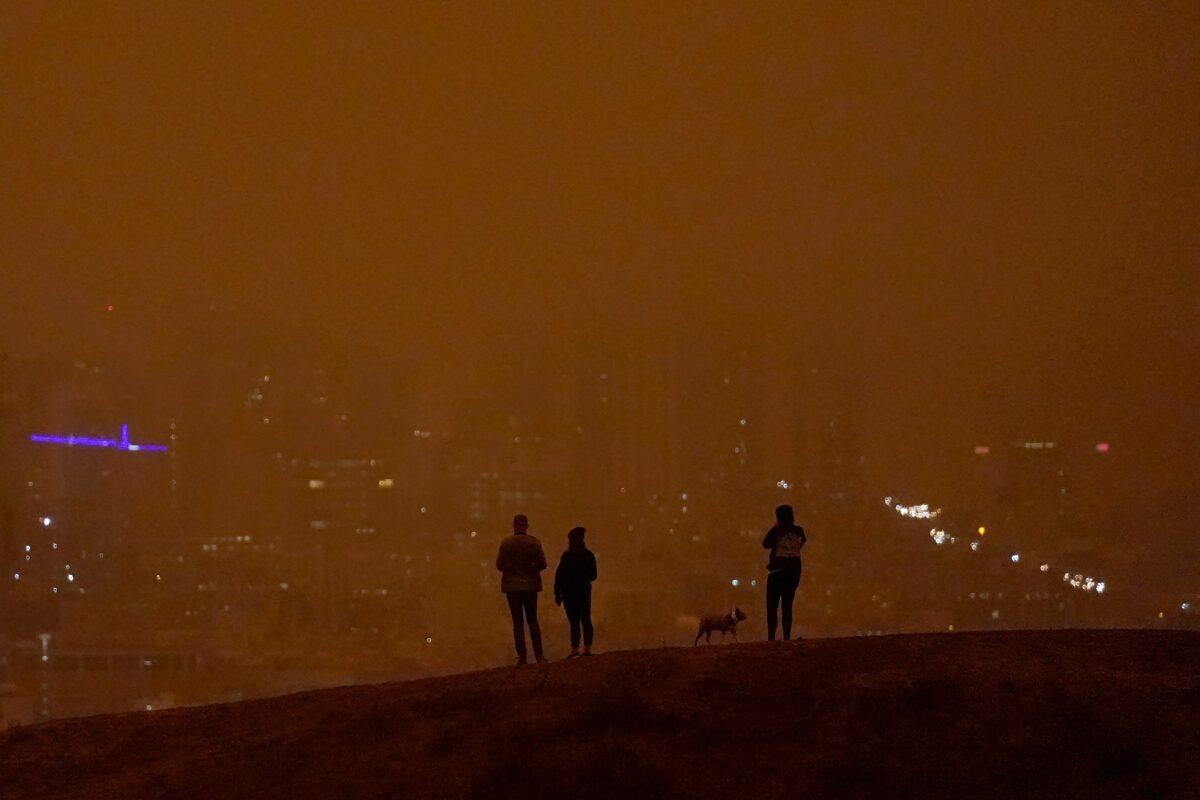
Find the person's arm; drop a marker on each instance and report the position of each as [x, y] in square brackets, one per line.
[501, 561]
[803, 537]
[541, 557]
[591, 567]
[558, 579]
[770, 538]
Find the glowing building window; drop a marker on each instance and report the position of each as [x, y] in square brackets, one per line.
[316, 483]
[386, 483]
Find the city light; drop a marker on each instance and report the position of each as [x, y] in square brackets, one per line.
[123, 443]
[1085, 583]
[921, 511]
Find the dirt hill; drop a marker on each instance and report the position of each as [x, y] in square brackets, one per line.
[1095, 714]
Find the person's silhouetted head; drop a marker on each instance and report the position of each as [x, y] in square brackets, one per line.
[520, 523]
[784, 515]
[575, 537]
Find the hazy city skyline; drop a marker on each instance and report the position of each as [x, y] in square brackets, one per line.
[380, 277]
[985, 255]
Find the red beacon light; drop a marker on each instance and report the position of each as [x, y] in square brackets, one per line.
[1101, 447]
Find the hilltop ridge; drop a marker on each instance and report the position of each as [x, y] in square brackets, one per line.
[1097, 714]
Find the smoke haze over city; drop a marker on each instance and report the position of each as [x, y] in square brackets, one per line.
[649, 269]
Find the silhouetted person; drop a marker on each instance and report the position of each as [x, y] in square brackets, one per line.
[573, 589]
[521, 560]
[784, 540]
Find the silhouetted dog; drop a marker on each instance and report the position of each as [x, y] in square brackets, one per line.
[723, 624]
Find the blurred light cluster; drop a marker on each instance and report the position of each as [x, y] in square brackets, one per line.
[940, 537]
[921, 511]
[1085, 583]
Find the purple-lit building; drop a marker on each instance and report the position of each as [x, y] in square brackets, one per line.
[90, 510]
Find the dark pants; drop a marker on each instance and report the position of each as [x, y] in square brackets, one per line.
[578, 605]
[525, 604]
[781, 590]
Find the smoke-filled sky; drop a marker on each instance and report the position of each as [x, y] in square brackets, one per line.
[985, 212]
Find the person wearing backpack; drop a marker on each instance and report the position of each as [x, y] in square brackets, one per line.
[785, 541]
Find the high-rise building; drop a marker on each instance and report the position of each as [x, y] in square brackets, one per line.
[341, 507]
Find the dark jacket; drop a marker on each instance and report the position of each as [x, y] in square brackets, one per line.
[522, 560]
[785, 544]
[576, 571]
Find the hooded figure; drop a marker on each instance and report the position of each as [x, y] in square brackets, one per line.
[573, 589]
[785, 541]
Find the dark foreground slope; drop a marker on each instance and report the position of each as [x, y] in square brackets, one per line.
[1049, 714]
